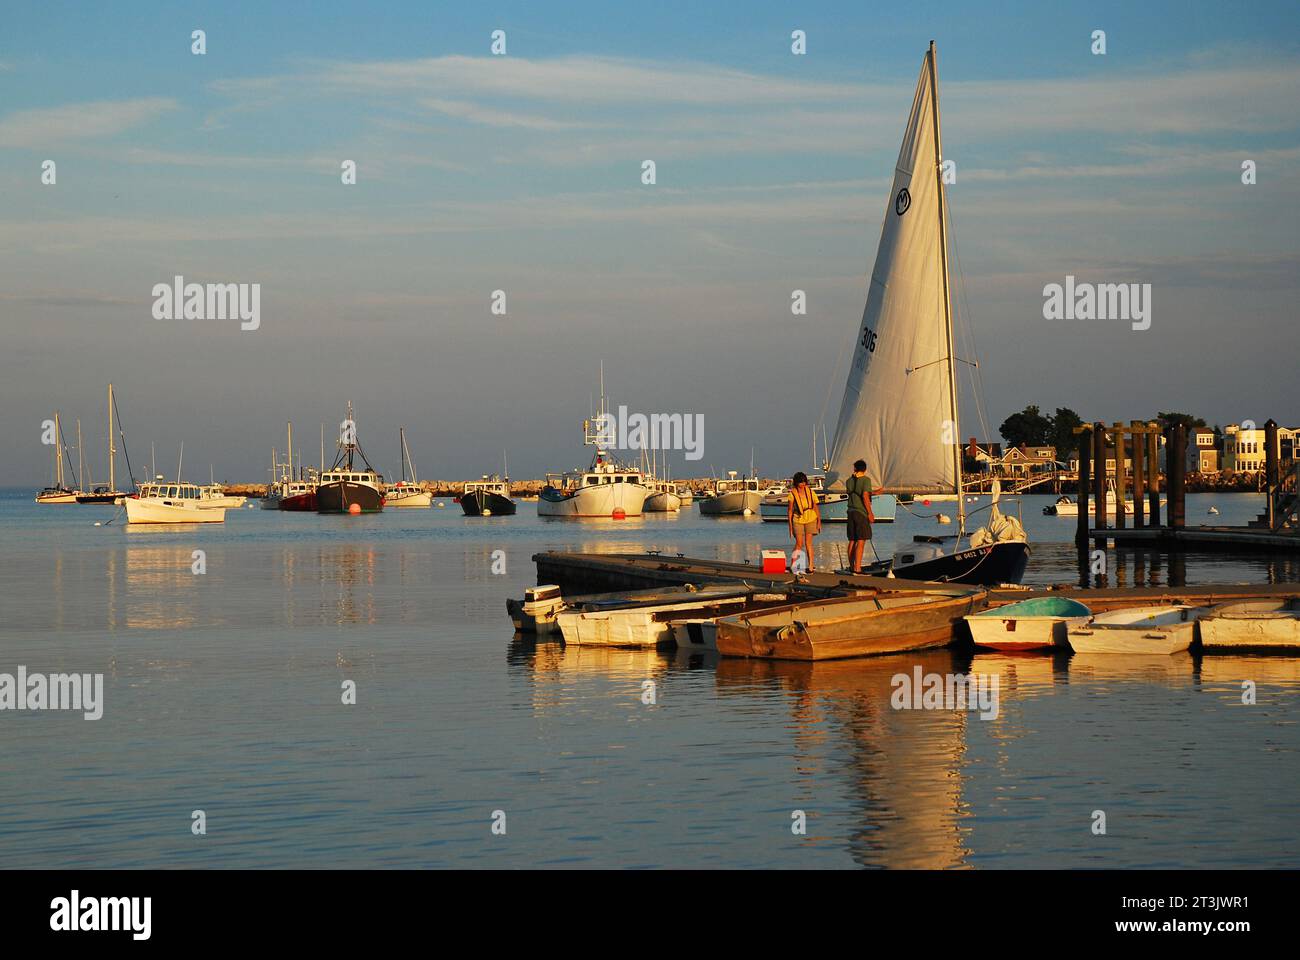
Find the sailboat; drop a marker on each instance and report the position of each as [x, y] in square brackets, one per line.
[345, 487]
[60, 492]
[109, 494]
[899, 411]
[403, 494]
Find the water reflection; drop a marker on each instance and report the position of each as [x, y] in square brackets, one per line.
[902, 766]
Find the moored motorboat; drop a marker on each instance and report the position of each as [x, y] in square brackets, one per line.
[883, 622]
[1039, 623]
[163, 502]
[646, 624]
[488, 497]
[663, 497]
[1159, 629]
[214, 497]
[733, 497]
[345, 487]
[1272, 624]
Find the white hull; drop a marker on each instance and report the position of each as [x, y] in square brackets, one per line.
[416, 498]
[638, 626]
[70, 497]
[1252, 624]
[1142, 630]
[662, 503]
[597, 501]
[1022, 633]
[222, 503]
[149, 510]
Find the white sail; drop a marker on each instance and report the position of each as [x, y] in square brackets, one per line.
[898, 408]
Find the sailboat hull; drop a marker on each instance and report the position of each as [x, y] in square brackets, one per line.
[411, 497]
[993, 563]
[99, 497]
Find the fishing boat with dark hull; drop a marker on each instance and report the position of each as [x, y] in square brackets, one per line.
[489, 497]
[345, 487]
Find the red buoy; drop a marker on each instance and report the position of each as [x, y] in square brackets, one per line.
[354, 508]
[620, 513]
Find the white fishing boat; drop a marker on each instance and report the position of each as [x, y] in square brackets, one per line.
[641, 625]
[163, 502]
[1160, 629]
[1039, 623]
[606, 488]
[900, 412]
[663, 497]
[1252, 625]
[735, 496]
[404, 493]
[214, 497]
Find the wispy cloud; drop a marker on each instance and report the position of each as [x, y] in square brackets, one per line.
[79, 121]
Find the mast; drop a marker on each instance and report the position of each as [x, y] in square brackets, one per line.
[322, 448]
[81, 462]
[290, 449]
[947, 299]
[58, 453]
[112, 450]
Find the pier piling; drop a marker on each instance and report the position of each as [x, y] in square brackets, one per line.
[1139, 448]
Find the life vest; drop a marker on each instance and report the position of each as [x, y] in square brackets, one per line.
[804, 511]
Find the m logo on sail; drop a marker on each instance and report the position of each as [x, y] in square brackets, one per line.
[902, 202]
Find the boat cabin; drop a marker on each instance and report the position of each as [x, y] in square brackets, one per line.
[743, 484]
[170, 491]
[492, 484]
[363, 476]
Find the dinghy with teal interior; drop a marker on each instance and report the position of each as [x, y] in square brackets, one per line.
[1161, 629]
[1038, 623]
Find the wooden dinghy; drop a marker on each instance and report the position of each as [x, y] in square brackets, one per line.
[1158, 630]
[641, 624]
[1252, 625]
[859, 626]
[1039, 623]
[538, 611]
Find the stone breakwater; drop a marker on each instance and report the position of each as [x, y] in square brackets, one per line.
[454, 488]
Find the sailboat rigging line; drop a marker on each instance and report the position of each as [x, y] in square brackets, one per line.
[76, 480]
[129, 472]
[968, 329]
[851, 333]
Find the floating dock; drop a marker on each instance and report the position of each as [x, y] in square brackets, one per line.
[1228, 539]
[578, 573]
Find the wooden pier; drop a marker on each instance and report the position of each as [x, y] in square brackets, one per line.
[1276, 531]
[581, 573]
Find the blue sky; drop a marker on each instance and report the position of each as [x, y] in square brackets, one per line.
[522, 173]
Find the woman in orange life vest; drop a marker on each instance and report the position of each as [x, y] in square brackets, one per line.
[805, 519]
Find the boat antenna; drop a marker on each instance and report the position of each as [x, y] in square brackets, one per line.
[180, 461]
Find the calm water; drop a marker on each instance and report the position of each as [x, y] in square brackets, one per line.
[223, 694]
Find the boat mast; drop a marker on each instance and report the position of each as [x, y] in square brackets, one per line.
[290, 449]
[81, 462]
[112, 451]
[947, 300]
[58, 453]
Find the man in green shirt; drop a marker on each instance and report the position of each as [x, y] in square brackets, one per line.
[859, 489]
